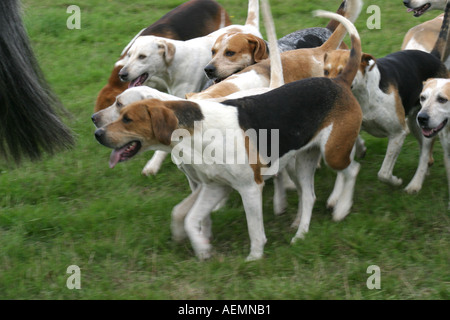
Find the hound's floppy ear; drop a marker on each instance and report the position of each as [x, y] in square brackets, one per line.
[260, 51]
[365, 61]
[167, 50]
[164, 122]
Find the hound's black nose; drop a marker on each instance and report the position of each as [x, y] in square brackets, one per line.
[99, 134]
[94, 119]
[422, 119]
[210, 71]
[406, 3]
[123, 75]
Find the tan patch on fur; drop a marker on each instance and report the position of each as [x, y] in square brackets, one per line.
[425, 34]
[335, 62]
[256, 167]
[346, 118]
[399, 109]
[110, 91]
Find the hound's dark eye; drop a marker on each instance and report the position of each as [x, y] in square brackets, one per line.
[422, 98]
[125, 119]
[230, 53]
[213, 52]
[326, 72]
[142, 57]
[118, 104]
[442, 100]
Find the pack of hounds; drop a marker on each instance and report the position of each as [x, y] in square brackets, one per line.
[317, 93]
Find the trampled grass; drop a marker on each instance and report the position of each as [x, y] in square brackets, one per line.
[72, 209]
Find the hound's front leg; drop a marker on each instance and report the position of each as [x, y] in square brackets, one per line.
[252, 201]
[209, 196]
[393, 150]
[425, 158]
[155, 163]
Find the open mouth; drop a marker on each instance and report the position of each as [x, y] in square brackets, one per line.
[420, 10]
[430, 133]
[139, 81]
[124, 153]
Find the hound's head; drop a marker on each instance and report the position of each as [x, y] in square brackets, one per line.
[335, 62]
[140, 126]
[419, 7]
[148, 56]
[233, 52]
[435, 111]
[111, 113]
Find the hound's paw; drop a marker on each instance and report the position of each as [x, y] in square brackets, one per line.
[254, 257]
[298, 237]
[412, 189]
[150, 171]
[204, 254]
[392, 180]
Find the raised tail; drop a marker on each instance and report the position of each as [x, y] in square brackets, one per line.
[350, 70]
[441, 47]
[253, 14]
[352, 11]
[333, 24]
[276, 68]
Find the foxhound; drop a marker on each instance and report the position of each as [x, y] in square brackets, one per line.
[192, 19]
[309, 117]
[434, 115]
[388, 91]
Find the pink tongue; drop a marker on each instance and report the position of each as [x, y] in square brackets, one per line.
[427, 132]
[409, 10]
[115, 156]
[133, 83]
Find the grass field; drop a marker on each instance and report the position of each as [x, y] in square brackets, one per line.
[72, 209]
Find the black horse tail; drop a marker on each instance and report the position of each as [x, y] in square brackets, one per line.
[30, 122]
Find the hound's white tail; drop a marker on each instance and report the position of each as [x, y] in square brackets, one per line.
[276, 68]
[253, 13]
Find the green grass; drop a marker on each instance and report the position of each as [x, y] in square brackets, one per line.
[72, 209]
